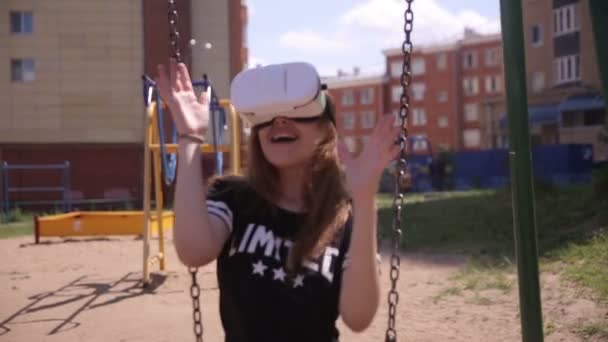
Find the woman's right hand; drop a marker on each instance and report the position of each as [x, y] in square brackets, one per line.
[191, 115]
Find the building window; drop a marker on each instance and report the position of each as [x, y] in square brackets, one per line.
[418, 90]
[537, 35]
[367, 119]
[442, 96]
[566, 69]
[420, 143]
[396, 92]
[442, 61]
[349, 121]
[493, 85]
[350, 144]
[492, 57]
[564, 20]
[396, 69]
[22, 22]
[364, 139]
[472, 138]
[471, 112]
[469, 60]
[22, 70]
[418, 117]
[470, 86]
[367, 96]
[348, 98]
[538, 81]
[418, 66]
[581, 119]
[442, 121]
[397, 122]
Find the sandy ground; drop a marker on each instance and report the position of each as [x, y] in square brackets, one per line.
[89, 291]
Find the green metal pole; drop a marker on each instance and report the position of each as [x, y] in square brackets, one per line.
[524, 218]
[599, 13]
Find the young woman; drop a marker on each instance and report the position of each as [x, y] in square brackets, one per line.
[295, 237]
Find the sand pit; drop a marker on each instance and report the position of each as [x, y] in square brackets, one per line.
[89, 290]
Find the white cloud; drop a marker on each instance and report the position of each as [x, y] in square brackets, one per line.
[309, 41]
[357, 37]
[250, 9]
[383, 20]
[255, 61]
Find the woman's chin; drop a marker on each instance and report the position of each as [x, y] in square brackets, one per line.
[286, 163]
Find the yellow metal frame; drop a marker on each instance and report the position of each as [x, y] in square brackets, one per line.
[152, 156]
[95, 223]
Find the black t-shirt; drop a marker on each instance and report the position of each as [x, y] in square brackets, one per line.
[259, 300]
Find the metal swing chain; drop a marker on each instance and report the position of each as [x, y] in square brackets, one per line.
[174, 31]
[401, 168]
[195, 290]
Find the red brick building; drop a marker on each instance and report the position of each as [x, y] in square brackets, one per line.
[359, 102]
[434, 95]
[456, 95]
[456, 91]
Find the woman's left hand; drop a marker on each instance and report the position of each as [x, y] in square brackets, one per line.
[364, 171]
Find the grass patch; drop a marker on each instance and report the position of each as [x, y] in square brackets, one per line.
[485, 274]
[16, 223]
[477, 276]
[587, 264]
[480, 221]
[572, 229]
[550, 328]
[480, 300]
[597, 330]
[451, 221]
[450, 291]
[16, 229]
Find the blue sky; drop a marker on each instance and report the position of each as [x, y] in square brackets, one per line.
[341, 34]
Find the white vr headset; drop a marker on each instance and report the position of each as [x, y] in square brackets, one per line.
[292, 90]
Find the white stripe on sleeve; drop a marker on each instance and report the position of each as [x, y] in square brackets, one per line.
[220, 210]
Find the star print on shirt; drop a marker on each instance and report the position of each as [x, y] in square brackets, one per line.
[298, 281]
[259, 268]
[279, 274]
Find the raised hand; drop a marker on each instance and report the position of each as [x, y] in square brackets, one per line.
[191, 115]
[364, 171]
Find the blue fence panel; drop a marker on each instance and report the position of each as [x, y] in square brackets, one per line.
[554, 164]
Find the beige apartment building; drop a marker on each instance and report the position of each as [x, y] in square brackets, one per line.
[71, 71]
[564, 89]
[71, 86]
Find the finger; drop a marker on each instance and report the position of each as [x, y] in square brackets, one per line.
[183, 77]
[387, 123]
[173, 75]
[382, 129]
[205, 98]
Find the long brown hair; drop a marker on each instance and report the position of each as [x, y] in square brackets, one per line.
[326, 199]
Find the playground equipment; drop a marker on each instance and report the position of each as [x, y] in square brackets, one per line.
[64, 189]
[159, 165]
[95, 223]
[156, 149]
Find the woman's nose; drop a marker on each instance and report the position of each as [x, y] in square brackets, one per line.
[280, 121]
